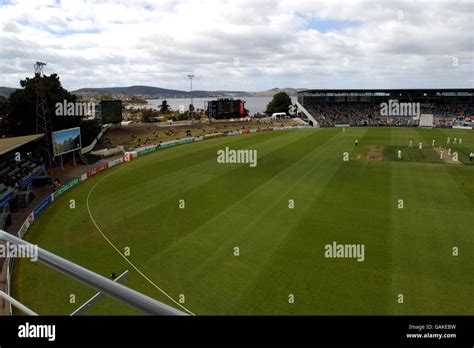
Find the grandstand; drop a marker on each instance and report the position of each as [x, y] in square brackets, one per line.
[18, 173]
[25, 182]
[20, 169]
[358, 107]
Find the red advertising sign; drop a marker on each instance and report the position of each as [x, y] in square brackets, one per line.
[97, 170]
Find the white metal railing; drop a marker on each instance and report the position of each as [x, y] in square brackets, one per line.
[17, 304]
[104, 285]
[8, 305]
[92, 145]
[308, 114]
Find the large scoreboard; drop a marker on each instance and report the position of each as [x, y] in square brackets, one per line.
[226, 108]
[111, 111]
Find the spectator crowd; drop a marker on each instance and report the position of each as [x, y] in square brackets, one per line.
[358, 114]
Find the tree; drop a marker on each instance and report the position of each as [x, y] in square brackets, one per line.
[3, 105]
[21, 118]
[165, 107]
[3, 115]
[21, 110]
[281, 102]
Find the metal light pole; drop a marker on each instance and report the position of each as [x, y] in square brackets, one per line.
[43, 118]
[190, 77]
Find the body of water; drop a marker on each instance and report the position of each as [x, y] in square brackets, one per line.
[253, 104]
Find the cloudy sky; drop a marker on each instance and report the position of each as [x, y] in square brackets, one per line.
[240, 44]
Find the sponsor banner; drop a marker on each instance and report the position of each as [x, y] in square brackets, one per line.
[26, 225]
[244, 131]
[233, 133]
[254, 130]
[462, 127]
[146, 150]
[278, 128]
[83, 176]
[66, 140]
[129, 156]
[199, 138]
[44, 203]
[147, 147]
[114, 162]
[213, 135]
[66, 187]
[342, 125]
[186, 141]
[97, 170]
[264, 129]
[167, 144]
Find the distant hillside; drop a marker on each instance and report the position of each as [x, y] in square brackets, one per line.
[6, 91]
[149, 92]
[145, 91]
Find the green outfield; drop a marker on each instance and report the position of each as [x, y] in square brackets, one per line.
[191, 251]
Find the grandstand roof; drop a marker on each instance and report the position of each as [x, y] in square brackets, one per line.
[431, 91]
[9, 144]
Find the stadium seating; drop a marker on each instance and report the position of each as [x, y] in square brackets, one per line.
[16, 181]
[19, 174]
[368, 114]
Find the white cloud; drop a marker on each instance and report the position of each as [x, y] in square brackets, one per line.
[277, 43]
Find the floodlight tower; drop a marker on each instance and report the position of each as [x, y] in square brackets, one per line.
[190, 77]
[43, 119]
